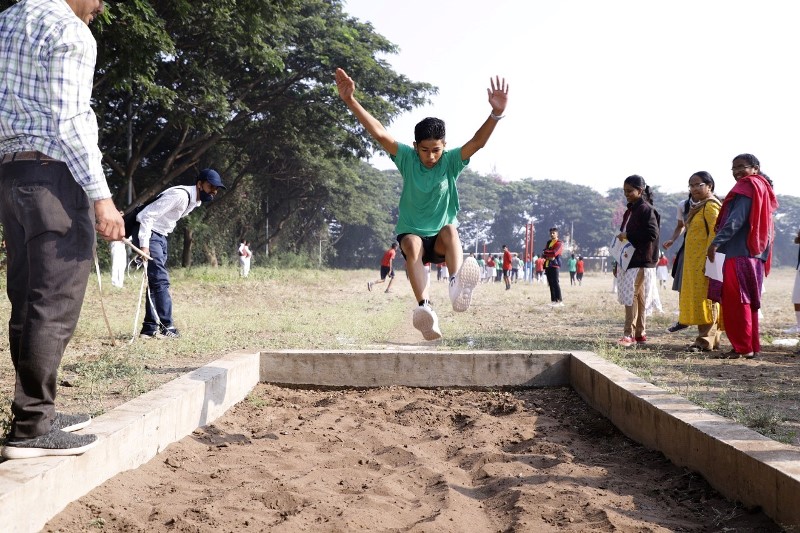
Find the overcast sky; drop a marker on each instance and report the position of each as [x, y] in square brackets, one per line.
[604, 89]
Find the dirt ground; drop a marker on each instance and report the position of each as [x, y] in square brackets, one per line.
[417, 460]
[399, 459]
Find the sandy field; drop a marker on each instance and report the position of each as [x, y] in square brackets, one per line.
[399, 459]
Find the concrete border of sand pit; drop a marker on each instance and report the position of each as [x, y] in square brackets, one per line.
[738, 462]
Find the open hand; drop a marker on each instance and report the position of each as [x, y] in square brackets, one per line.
[498, 95]
[345, 85]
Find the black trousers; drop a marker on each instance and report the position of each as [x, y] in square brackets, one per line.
[552, 281]
[50, 237]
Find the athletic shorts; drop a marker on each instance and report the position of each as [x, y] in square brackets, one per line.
[428, 255]
[386, 271]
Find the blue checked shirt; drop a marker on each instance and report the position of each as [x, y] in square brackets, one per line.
[48, 58]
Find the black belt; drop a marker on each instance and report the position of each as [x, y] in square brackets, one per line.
[25, 156]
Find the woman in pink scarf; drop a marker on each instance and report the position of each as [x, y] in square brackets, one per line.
[744, 234]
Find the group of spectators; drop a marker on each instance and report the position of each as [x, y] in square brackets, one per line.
[720, 267]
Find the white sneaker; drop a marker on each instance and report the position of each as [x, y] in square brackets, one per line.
[792, 330]
[463, 283]
[425, 320]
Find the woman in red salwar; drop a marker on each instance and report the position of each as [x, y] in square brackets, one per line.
[745, 233]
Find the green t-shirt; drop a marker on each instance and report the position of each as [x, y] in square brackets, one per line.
[430, 199]
[572, 265]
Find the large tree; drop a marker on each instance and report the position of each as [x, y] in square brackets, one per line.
[245, 86]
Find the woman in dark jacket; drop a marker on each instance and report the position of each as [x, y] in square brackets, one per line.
[641, 226]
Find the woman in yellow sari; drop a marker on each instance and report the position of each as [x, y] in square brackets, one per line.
[695, 307]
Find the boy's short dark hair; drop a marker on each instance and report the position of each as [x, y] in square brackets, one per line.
[553, 229]
[429, 128]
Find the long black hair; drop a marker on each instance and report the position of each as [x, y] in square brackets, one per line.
[637, 182]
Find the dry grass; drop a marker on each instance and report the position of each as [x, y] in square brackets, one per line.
[217, 312]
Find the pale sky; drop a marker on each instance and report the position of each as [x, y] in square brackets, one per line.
[600, 90]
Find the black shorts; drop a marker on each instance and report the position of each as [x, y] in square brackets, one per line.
[428, 255]
[386, 271]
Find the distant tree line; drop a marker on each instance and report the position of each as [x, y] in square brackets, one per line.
[495, 212]
[246, 86]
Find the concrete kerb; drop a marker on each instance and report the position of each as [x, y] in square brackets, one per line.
[380, 368]
[35, 490]
[738, 462]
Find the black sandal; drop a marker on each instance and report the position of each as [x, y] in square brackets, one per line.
[693, 348]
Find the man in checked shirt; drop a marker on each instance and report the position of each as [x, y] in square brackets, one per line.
[53, 196]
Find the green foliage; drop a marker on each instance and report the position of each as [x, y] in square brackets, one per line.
[368, 229]
[5, 418]
[247, 87]
[546, 203]
[110, 367]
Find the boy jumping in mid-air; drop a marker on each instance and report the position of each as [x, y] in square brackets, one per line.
[426, 227]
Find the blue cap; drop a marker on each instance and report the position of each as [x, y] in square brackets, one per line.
[212, 176]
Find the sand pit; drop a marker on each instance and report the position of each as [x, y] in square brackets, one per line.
[401, 459]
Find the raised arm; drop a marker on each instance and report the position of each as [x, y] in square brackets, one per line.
[498, 97]
[347, 88]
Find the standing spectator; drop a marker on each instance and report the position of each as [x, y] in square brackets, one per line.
[244, 258]
[579, 269]
[745, 231]
[427, 222]
[507, 267]
[552, 262]
[156, 221]
[528, 276]
[498, 265]
[119, 261]
[516, 263]
[482, 267]
[387, 268]
[796, 292]
[640, 225]
[53, 197]
[572, 266]
[694, 306]
[539, 262]
[490, 268]
[662, 272]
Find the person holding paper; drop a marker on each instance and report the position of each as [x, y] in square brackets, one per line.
[693, 303]
[641, 225]
[745, 232]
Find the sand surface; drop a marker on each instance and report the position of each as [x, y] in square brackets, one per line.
[400, 459]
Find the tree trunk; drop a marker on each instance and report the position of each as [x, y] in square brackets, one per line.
[186, 259]
[211, 256]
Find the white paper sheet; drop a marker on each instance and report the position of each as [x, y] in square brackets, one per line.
[714, 270]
